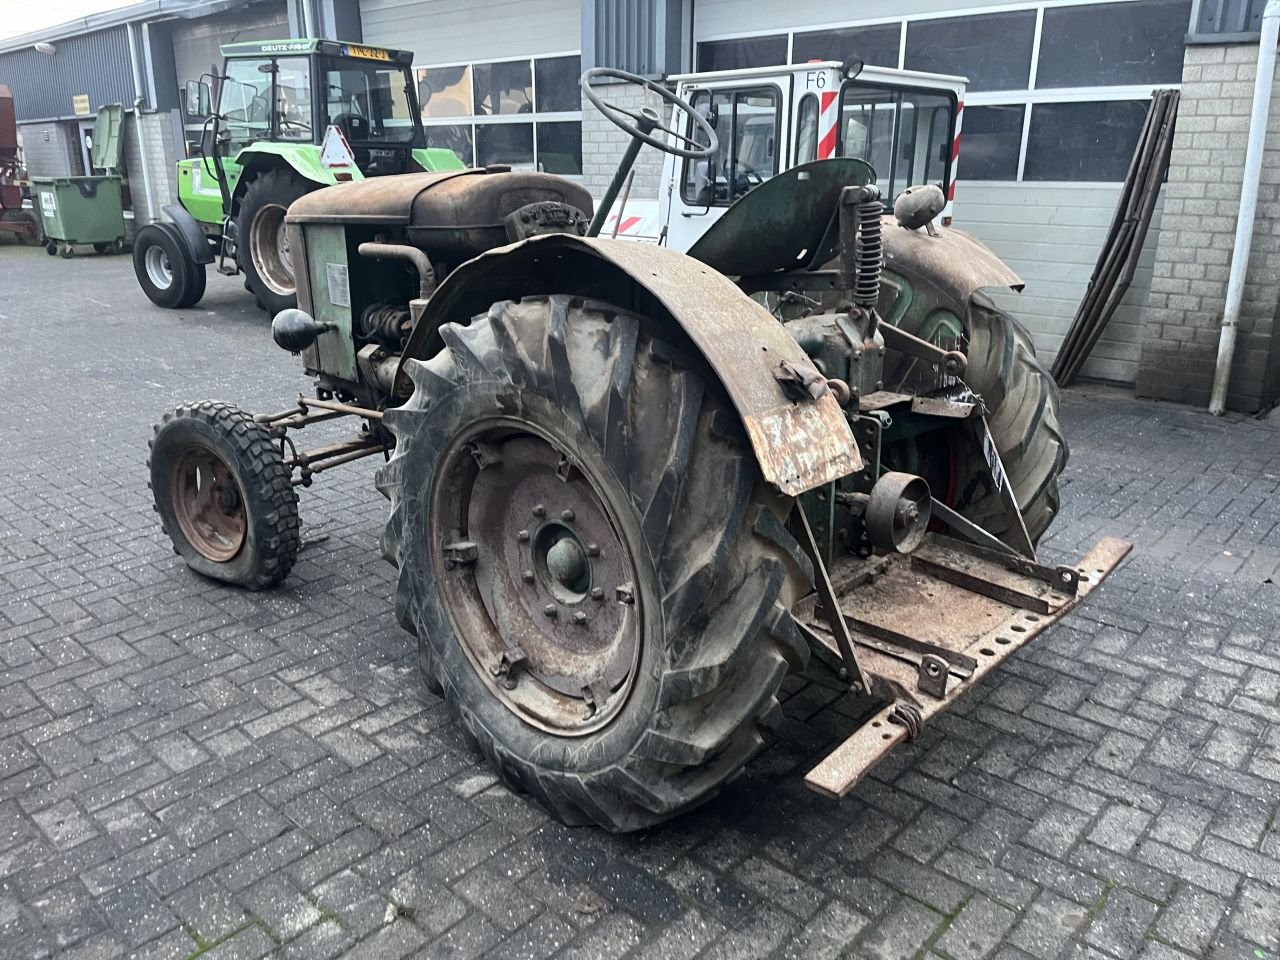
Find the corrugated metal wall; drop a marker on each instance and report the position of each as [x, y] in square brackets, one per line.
[642, 36]
[458, 31]
[96, 64]
[196, 42]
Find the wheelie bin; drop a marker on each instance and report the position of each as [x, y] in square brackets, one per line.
[86, 210]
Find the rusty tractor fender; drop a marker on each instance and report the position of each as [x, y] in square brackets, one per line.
[799, 444]
[955, 263]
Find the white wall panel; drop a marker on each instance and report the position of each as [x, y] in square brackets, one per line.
[718, 18]
[456, 31]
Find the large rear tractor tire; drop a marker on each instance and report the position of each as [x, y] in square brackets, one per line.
[167, 274]
[598, 578]
[222, 490]
[1021, 399]
[263, 242]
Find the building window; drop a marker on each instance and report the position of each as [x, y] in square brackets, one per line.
[557, 81]
[876, 45]
[990, 141]
[993, 50]
[1112, 44]
[1107, 55]
[524, 113]
[739, 54]
[1083, 141]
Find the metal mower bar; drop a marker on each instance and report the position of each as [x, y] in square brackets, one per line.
[927, 627]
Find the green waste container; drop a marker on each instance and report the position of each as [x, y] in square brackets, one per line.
[86, 210]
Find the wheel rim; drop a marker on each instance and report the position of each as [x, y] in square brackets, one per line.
[208, 504]
[159, 270]
[269, 248]
[547, 611]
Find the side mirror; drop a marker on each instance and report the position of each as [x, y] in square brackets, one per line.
[198, 100]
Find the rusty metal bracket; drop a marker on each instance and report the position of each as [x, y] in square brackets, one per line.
[933, 676]
[952, 362]
[830, 603]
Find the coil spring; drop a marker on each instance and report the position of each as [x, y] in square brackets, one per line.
[869, 253]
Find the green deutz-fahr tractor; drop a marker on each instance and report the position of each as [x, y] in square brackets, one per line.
[627, 496]
[292, 116]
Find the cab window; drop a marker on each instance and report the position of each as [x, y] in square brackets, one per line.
[293, 99]
[245, 102]
[369, 101]
[746, 124]
[807, 129]
[904, 133]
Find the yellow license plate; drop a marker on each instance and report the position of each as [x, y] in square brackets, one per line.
[367, 53]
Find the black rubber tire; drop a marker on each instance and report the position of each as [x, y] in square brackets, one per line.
[279, 185]
[101, 247]
[51, 247]
[187, 285]
[717, 565]
[271, 505]
[1022, 412]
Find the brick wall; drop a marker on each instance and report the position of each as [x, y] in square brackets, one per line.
[1193, 254]
[603, 144]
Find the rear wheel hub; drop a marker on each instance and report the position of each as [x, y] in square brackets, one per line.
[546, 609]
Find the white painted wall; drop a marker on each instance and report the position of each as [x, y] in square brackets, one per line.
[719, 18]
[457, 31]
[1051, 234]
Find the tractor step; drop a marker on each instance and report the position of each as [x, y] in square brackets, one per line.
[928, 627]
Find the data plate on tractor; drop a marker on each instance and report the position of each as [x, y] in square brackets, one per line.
[929, 627]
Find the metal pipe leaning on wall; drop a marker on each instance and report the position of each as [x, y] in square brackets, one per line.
[1248, 204]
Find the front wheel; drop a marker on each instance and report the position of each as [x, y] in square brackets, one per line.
[598, 578]
[263, 240]
[224, 496]
[167, 275]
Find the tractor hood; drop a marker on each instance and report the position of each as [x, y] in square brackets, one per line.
[452, 214]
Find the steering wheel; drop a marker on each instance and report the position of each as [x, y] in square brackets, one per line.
[641, 124]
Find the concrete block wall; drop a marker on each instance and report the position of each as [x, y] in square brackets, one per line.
[603, 144]
[153, 132]
[1194, 250]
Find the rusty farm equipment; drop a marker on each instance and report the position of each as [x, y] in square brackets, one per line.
[632, 488]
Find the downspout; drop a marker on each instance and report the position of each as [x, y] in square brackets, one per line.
[1248, 203]
[137, 116]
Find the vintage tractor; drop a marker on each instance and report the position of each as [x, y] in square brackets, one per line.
[292, 116]
[626, 497]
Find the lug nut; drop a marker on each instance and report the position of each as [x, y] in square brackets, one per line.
[539, 510]
[527, 576]
[597, 593]
[624, 593]
[550, 610]
[579, 618]
[566, 515]
[593, 549]
[522, 536]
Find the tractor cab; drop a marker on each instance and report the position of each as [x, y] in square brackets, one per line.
[904, 123]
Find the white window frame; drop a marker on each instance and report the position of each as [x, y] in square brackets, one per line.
[533, 118]
[1027, 97]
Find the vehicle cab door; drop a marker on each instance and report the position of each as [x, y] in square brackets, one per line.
[749, 117]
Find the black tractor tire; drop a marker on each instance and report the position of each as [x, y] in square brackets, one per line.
[252, 539]
[1021, 400]
[265, 264]
[165, 271]
[716, 571]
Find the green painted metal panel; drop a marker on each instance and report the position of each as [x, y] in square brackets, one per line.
[436, 159]
[327, 265]
[108, 131]
[198, 187]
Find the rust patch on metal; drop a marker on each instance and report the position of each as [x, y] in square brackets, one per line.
[799, 444]
[981, 627]
[954, 262]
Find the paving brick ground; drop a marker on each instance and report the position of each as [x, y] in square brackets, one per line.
[192, 770]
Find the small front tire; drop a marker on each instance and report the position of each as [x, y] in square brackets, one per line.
[167, 275]
[224, 496]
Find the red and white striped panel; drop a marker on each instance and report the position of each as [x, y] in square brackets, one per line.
[828, 114]
[955, 151]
